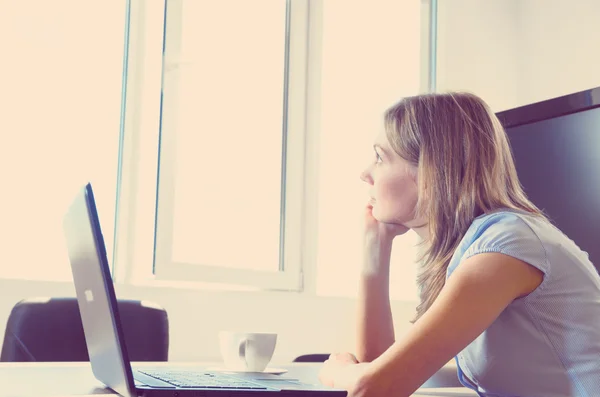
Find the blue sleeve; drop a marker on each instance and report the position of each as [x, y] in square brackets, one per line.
[508, 234]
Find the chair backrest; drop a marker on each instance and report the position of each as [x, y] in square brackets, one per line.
[311, 358]
[50, 329]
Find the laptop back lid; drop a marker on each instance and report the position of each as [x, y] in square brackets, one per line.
[95, 294]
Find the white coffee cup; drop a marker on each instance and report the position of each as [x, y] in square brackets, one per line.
[247, 351]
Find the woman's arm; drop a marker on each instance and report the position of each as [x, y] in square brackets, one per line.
[476, 293]
[375, 328]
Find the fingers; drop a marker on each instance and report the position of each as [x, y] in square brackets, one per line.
[325, 375]
[333, 365]
[352, 358]
[344, 357]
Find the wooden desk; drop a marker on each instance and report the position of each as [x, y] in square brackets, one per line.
[76, 379]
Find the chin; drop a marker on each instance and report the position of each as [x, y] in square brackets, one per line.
[389, 218]
[379, 216]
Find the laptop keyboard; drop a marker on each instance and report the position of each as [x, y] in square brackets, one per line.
[201, 380]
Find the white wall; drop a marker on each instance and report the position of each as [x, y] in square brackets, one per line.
[560, 48]
[515, 52]
[305, 324]
[477, 49]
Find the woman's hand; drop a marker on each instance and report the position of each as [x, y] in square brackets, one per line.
[341, 371]
[379, 232]
[378, 239]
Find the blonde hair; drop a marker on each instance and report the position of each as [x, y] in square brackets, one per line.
[465, 169]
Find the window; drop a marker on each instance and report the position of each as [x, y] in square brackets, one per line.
[61, 100]
[289, 219]
[364, 71]
[231, 148]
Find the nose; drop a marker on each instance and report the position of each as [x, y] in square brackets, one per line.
[365, 176]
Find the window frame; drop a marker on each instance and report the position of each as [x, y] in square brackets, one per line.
[289, 276]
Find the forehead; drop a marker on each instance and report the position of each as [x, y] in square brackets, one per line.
[381, 139]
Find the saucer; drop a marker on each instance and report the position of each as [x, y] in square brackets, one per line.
[273, 371]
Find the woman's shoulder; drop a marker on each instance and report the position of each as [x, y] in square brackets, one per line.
[509, 231]
[506, 215]
[507, 223]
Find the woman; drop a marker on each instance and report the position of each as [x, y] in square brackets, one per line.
[503, 291]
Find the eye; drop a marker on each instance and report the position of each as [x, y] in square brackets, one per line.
[378, 158]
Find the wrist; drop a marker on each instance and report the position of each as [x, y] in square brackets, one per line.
[363, 382]
[377, 255]
[376, 242]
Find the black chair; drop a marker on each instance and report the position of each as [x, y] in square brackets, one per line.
[44, 329]
[311, 358]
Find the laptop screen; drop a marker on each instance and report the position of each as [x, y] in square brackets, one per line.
[95, 294]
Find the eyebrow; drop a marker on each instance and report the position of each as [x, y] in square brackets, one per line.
[376, 146]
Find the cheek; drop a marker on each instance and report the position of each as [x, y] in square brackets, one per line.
[396, 188]
[397, 195]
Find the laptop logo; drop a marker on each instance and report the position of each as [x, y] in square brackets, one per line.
[89, 296]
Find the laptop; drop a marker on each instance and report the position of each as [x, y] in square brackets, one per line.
[104, 333]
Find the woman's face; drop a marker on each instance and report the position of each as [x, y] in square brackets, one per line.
[393, 185]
